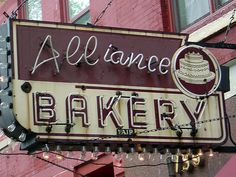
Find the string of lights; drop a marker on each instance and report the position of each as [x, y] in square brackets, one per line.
[94, 163]
[118, 166]
[174, 128]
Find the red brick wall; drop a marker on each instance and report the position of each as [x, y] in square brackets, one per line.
[51, 10]
[135, 14]
[224, 55]
[28, 166]
[8, 6]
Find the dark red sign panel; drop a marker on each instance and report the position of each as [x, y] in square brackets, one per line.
[87, 83]
[96, 56]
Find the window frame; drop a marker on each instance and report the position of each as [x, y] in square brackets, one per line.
[174, 19]
[27, 12]
[79, 15]
[64, 10]
[22, 13]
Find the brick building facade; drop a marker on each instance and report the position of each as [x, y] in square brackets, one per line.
[209, 25]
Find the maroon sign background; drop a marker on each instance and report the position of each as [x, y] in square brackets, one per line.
[30, 39]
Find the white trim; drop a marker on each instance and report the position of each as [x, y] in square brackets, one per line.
[211, 28]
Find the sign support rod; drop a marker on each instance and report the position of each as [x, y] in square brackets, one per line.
[221, 45]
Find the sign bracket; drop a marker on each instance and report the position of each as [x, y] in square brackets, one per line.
[221, 45]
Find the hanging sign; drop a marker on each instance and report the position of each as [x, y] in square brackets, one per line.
[75, 83]
[196, 71]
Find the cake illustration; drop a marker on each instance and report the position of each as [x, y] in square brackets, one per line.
[194, 69]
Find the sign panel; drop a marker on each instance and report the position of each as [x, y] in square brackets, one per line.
[83, 84]
[196, 71]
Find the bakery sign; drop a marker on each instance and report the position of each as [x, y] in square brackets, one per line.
[79, 84]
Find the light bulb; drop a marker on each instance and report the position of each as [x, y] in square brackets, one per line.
[178, 152]
[141, 157]
[153, 156]
[4, 79]
[168, 155]
[11, 127]
[143, 154]
[107, 150]
[59, 157]
[211, 154]
[120, 149]
[83, 152]
[58, 153]
[46, 155]
[94, 155]
[82, 155]
[69, 154]
[4, 105]
[200, 153]
[22, 137]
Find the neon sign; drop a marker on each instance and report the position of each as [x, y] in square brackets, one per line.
[81, 83]
[111, 55]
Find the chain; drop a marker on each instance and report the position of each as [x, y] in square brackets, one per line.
[15, 12]
[103, 12]
[171, 128]
[229, 25]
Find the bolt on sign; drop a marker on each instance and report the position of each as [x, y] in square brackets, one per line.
[76, 83]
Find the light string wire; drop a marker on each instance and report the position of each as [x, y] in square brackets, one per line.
[94, 163]
[117, 166]
[229, 25]
[175, 127]
[103, 12]
[15, 12]
[60, 166]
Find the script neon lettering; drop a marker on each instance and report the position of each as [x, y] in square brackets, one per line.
[112, 55]
[85, 55]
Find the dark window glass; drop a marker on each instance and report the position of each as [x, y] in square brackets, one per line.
[220, 3]
[188, 11]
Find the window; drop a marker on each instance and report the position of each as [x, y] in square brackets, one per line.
[187, 12]
[220, 3]
[77, 6]
[34, 10]
[83, 19]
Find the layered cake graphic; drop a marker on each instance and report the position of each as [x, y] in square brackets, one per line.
[194, 69]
